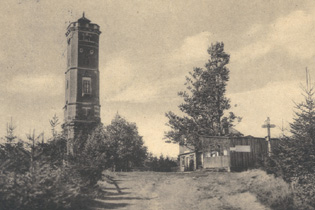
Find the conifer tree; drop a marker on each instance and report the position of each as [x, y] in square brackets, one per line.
[294, 156]
[205, 102]
[301, 146]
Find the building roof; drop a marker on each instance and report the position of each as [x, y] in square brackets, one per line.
[234, 132]
[83, 19]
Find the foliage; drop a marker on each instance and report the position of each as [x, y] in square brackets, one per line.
[303, 127]
[125, 146]
[96, 149]
[37, 175]
[117, 146]
[54, 151]
[14, 158]
[92, 158]
[205, 102]
[304, 192]
[269, 190]
[10, 137]
[45, 188]
[294, 157]
[53, 123]
[160, 164]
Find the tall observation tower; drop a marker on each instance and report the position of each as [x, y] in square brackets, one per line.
[82, 103]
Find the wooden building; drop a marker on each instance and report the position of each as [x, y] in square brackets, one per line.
[230, 153]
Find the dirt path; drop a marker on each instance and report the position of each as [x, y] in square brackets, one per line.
[172, 191]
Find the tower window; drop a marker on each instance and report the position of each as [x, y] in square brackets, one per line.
[86, 86]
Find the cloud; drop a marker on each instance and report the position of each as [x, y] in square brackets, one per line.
[129, 81]
[293, 33]
[251, 52]
[254, 30]
[193, 49]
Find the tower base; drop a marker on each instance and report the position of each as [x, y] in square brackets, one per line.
[77, 134]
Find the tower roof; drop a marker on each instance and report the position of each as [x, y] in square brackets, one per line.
[83, 24]
[83, 19]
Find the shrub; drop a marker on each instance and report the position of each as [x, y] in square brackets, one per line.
[14, 158]
[271, 191]
[47, 188]
[47, 181]
[160, 164]
[304, 192]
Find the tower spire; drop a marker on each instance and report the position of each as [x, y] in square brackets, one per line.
[83, 15]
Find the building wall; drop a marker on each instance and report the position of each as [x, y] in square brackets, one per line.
[258, 151]
[236, 154]
[216, 152]
[187, 162]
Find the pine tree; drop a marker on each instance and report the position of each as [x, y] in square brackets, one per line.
[301, 145]
[205, 102]
[303, 127]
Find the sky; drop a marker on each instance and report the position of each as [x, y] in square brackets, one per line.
[146, 50]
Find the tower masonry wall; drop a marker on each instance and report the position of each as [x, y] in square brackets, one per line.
[82, 102]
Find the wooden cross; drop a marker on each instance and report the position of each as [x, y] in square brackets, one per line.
[268, 126]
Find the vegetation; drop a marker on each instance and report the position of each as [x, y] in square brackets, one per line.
[294, 157]
[205, 102]
[38, 175]
[40, 180]
[160, 164]
[271, 191]
[126, 146]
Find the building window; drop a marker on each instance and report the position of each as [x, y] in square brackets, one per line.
[86, 86]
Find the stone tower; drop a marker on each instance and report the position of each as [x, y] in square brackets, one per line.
[82, 104]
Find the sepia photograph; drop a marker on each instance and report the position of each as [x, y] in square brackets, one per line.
[157, 105]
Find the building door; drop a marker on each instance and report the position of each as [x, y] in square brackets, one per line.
[187, 163]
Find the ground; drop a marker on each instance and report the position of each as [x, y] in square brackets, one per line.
[172, 191]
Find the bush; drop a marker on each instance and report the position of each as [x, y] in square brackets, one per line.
[14, 158]
[48, 182]
[46, 188]
[304, 192]
[160, 164]
[271, 191]
[293, 158]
